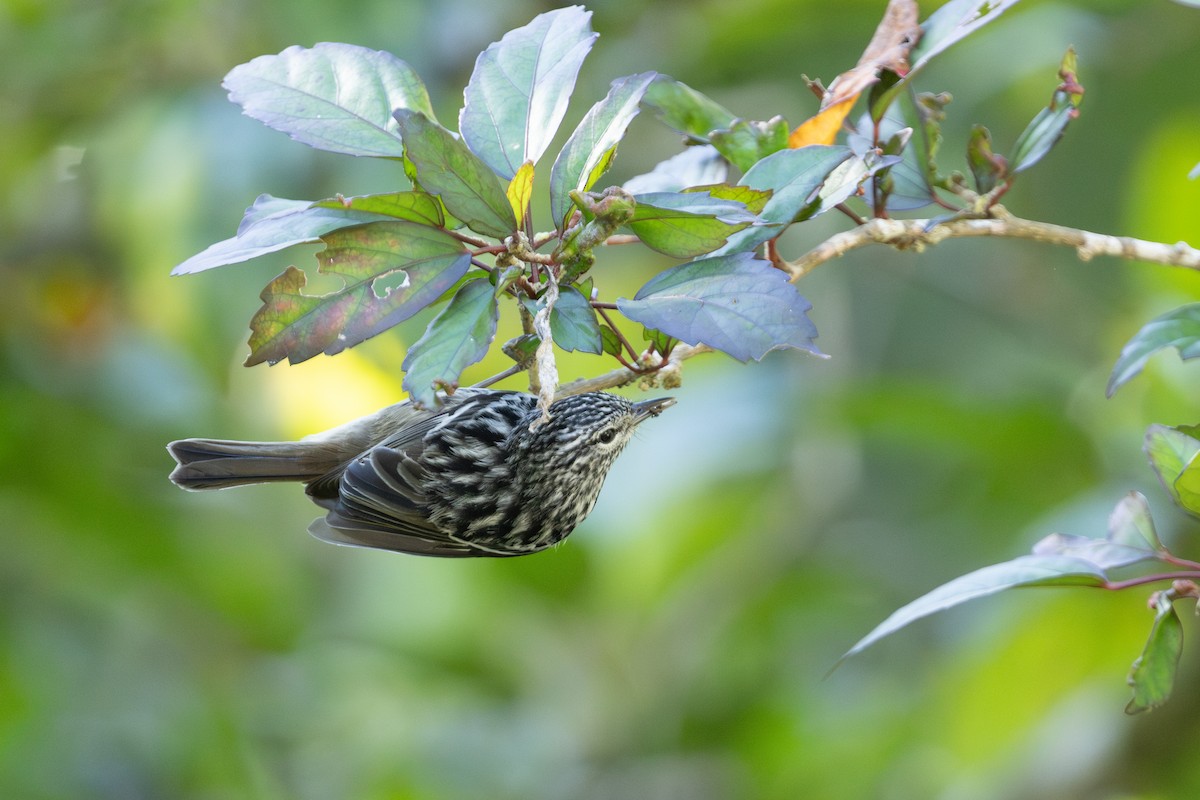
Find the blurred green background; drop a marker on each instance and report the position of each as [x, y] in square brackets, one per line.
[157, 644]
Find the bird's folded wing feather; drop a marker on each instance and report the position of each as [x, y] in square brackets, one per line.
[381, 506]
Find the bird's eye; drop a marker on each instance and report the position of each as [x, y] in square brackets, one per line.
[607, 435]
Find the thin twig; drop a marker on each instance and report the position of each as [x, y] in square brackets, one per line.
[633, 354]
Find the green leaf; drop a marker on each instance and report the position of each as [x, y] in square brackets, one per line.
[687, 224]
[419, 261]
[1172, 453]
[1131, 524]
[1179, 328]
[845, 181]
[272, 224]
[755, 200]
[662, 343]
[458, 337]
[745, 143]
[794, 178]
[416, 207]
[1152, 676]
[518, 92]
[610, 342]
[573, 321]
[446, 167]
[681, 107]
[1048, 126]
[1031, 570]
[950, 24]
[987, 167]
[734, 303]
[1105, 555]
[699, 165]
[591, 148]
[335, 97]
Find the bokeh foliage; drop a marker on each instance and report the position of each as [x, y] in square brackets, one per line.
[157, 644]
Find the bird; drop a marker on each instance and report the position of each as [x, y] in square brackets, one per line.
[481, 475]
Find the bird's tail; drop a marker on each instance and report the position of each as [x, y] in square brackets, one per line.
[218, 464]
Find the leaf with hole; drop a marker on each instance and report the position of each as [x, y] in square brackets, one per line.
[391, 271]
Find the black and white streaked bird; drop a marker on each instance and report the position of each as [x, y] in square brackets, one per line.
[473, 477]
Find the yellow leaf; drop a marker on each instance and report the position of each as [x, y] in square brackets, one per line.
[520, 190]
[824, 127]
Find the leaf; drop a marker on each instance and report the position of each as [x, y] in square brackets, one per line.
[755, 200]
[793, 177]
[610, 342]
[823, 127]
[416, 207]
[591, 148]
[518, 92]
[1153, 673]
[425, 261]
[662, 343]
[1049, 125]
[951, 23]
[1031, 570]
[699, 165]
[1179, 328]
[1104, 555]
[573, 321]
[744, 143]
[456, 338]
[681, 107]
[335, 97]
[270, 225]
[446, 167]
[987, 167]
[687, 224]
[888, 50]
[734, 303]
[1172, 453]
[1131, 524]
[520, 191]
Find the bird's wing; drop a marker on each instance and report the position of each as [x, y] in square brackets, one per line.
[381, 506]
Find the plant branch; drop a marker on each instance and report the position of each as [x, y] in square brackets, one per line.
[917, 234]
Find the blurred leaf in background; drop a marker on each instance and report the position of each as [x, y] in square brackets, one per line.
[159, 644]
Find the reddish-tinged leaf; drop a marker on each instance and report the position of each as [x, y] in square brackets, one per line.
[420, 263]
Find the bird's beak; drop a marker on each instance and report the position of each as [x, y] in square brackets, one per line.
[651, 408]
